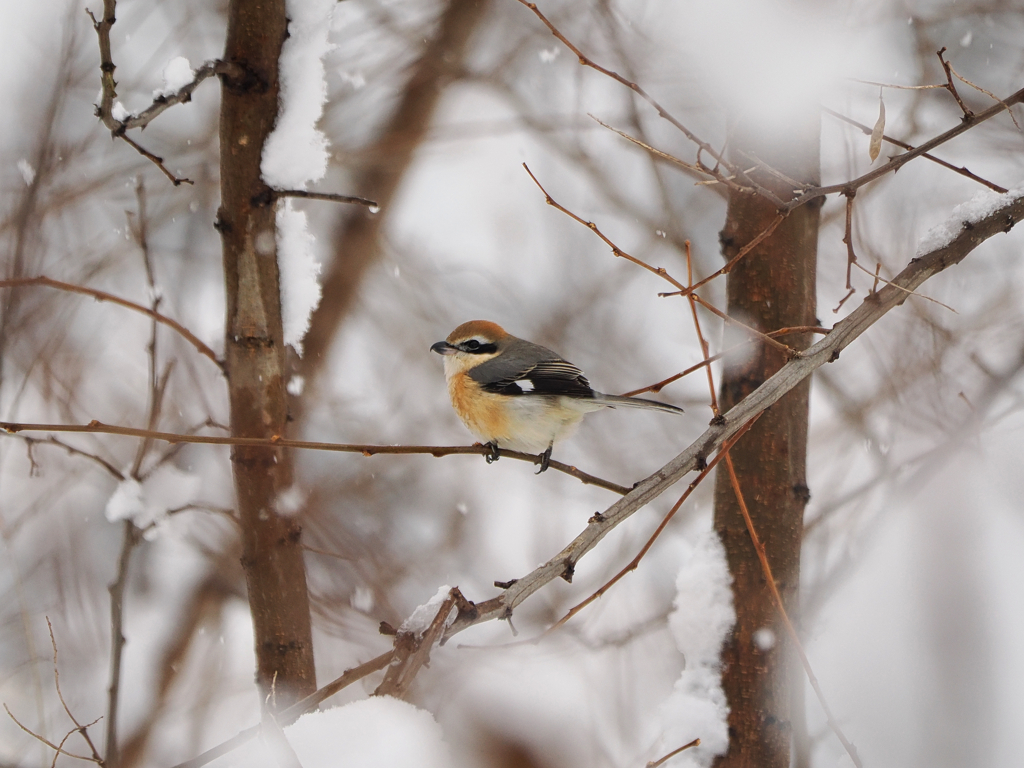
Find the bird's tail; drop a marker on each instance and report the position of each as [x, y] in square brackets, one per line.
[635, 402]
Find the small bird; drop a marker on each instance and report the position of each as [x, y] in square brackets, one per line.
[514, 394]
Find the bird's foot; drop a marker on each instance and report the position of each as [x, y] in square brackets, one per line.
[545, 460]
[492, 454]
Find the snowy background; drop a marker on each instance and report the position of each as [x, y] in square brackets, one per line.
[911, 612]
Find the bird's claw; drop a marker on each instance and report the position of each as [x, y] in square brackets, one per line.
[492, 454]
[545, 461]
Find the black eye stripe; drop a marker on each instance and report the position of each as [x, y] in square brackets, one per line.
[477, 347]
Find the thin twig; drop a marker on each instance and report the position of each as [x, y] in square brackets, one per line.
[328, 196]
[700, 170]
[104, 296]
[108, 91]
[117, 639]
[182, 95]
[635, 562]
[79, 727]
[987, 93]
[760, 238]
[97, 427]
[659, 271]
[714, 358]
[897, 162]
[155, 159]
[790, 629]
[662, 112]
[673, 753]
[968, 114]
[783, 348]
[704, 348]
[898, 87]
[880, 279]
[51, 440]
[851, 257]
[903, 145]
[58, 749]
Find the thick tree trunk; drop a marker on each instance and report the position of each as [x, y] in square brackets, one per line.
[254, 355]
[772, 287]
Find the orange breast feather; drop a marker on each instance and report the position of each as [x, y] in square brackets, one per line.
[483, 412]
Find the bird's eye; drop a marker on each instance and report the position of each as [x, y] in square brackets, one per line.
[472, 345]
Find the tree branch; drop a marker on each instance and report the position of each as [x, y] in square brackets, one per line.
[827, 350]
[184, 332]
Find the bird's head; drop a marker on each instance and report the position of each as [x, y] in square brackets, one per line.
[470, 344]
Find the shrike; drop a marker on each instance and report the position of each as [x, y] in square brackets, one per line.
[514, 394]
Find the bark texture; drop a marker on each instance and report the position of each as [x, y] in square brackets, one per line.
[772, 287]
[254, 355]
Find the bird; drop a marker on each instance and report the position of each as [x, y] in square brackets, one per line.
[517, 395]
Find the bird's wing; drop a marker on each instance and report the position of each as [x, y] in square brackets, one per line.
[530, 372]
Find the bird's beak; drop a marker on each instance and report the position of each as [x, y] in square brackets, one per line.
[443, 348]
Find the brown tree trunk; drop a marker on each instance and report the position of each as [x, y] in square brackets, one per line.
[254, 356]
[772, 287]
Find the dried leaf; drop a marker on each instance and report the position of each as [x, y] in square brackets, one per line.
[876, 133]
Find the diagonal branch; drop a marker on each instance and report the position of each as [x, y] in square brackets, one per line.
[723, 429]
[827, 350]
[903, 145]
[897, 162]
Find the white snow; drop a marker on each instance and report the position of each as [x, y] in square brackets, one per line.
[28, 173]
[126, 502]
[764, 639]
[702, 618]
[177, 74]
[356, 79]
[119, 112]
[300, 287]
[983, 204]
[374, 732]
[290, 501]
[296, 384]
[420, 618]
[296, 152]
[147, 503]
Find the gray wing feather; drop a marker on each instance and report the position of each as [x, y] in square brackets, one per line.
[547, 373]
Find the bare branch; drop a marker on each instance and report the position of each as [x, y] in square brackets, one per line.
[79, 727]
[155, 159]
[729, 424]
[968, 114]
[903, 145]
[56, 748]
[412, 652]
[897, 162]
[182, 95]
[702, 145]
[117, 639]
[328, 196]
[104, 296]
[437, 451]
[673, 753]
